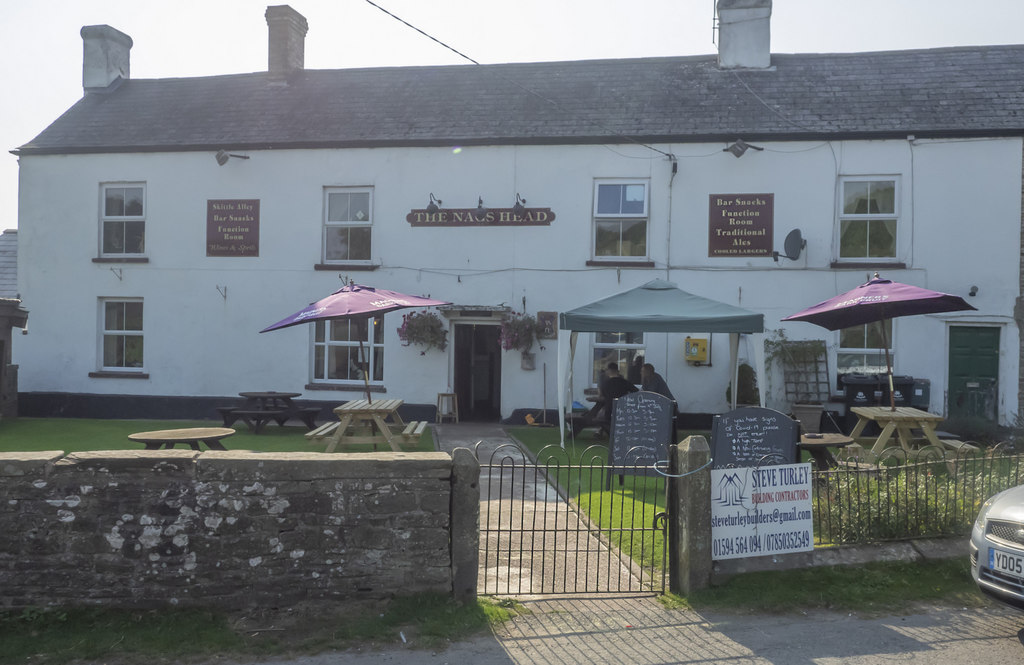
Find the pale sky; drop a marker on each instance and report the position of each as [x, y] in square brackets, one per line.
[41, 62]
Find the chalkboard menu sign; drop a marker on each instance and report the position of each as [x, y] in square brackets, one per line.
[753, 436]
[641, 430]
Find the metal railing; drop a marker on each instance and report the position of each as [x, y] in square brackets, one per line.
[936, 493]
[556, 525]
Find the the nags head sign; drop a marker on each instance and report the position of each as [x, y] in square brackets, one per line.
[760, 511]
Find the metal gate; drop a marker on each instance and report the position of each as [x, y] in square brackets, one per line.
[551, 525]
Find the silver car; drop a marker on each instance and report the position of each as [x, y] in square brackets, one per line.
[997, 547]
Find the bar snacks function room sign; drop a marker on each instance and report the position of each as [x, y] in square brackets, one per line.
[740, 224]
[233, 227]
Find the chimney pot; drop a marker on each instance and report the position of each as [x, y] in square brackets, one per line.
[287, 29]
[744, 34]
[106, 56]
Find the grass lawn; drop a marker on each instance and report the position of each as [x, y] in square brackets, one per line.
[77, 434]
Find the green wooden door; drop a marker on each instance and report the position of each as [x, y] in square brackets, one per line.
[973, 372]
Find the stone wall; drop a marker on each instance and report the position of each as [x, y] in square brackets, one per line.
[228, 529]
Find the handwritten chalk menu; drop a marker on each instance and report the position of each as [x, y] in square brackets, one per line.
[744, 437]
[641, 431]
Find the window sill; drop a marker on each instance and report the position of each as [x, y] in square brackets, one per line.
[617, 263]
[346, 266]
[867, 265]
[121, 259]
[348, 387]
[118, 375]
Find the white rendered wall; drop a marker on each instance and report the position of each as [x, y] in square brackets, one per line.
[959, 226]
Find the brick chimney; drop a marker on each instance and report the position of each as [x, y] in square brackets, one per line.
[287, 30]
[744, 34]
[106, 56]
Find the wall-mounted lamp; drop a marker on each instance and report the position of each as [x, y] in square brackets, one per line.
[223, 156]
[739, 146]
[973, 291]
[481, 209]
[434, 205]
[519, 209]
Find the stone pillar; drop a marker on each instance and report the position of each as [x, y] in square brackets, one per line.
[465, 524]
[689, 509]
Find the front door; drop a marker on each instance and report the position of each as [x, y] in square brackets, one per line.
[477, 372]
[973, 372]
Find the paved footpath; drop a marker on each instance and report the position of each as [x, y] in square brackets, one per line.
[607, 629]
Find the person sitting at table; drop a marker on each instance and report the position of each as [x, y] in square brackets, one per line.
[653, 382]
[612, 386]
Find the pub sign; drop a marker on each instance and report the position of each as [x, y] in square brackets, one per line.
[233, 227]
[740, 224]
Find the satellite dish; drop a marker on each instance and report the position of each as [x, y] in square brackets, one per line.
[793, 244]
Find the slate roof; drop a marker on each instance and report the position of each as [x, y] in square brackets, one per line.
[963, 91]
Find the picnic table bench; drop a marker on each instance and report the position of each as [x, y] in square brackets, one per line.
[363, 421]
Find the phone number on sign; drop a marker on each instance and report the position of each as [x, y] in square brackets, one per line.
[771, 542]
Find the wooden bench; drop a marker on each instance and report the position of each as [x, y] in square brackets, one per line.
[228, 414]
[255, 420]
[322, 432]
[413, 430]
[958, 445]
[308, 415]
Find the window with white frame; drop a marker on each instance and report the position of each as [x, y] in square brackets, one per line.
[344, 350]
[620, 219]
[623, 348]
[121, 338]
[123, 219]
[868, 218]
[348, 218]
[862, 348]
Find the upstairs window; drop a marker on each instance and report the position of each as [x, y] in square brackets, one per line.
[123, 220]
[620, 219]
[868, 219]
[336, 349]
[348, 216]
[121, 338]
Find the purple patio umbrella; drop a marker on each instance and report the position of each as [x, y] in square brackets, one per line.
[356, 302]
[876, 301]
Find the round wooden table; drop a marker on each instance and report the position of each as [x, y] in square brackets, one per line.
[818, 444]
[193, 436]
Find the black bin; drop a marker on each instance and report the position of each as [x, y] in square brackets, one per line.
[903, 390]
[861, 390]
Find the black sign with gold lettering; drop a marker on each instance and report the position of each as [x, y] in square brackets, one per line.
[741, 224]
[475, 217]
[233, 227]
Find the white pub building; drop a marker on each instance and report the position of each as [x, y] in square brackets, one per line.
[164, 222]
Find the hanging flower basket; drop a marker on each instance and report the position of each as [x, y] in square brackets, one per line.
[423, 329]
[518, 332]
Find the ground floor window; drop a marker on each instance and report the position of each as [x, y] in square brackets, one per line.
[336, 350]
[862, 349]
[625, 348]
[121, 337]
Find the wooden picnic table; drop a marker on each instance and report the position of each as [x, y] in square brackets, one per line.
[363, 421]
[263, 407]
[901, 422]
[193, 436]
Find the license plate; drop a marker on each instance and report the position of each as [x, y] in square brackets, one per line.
[1006, 562]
